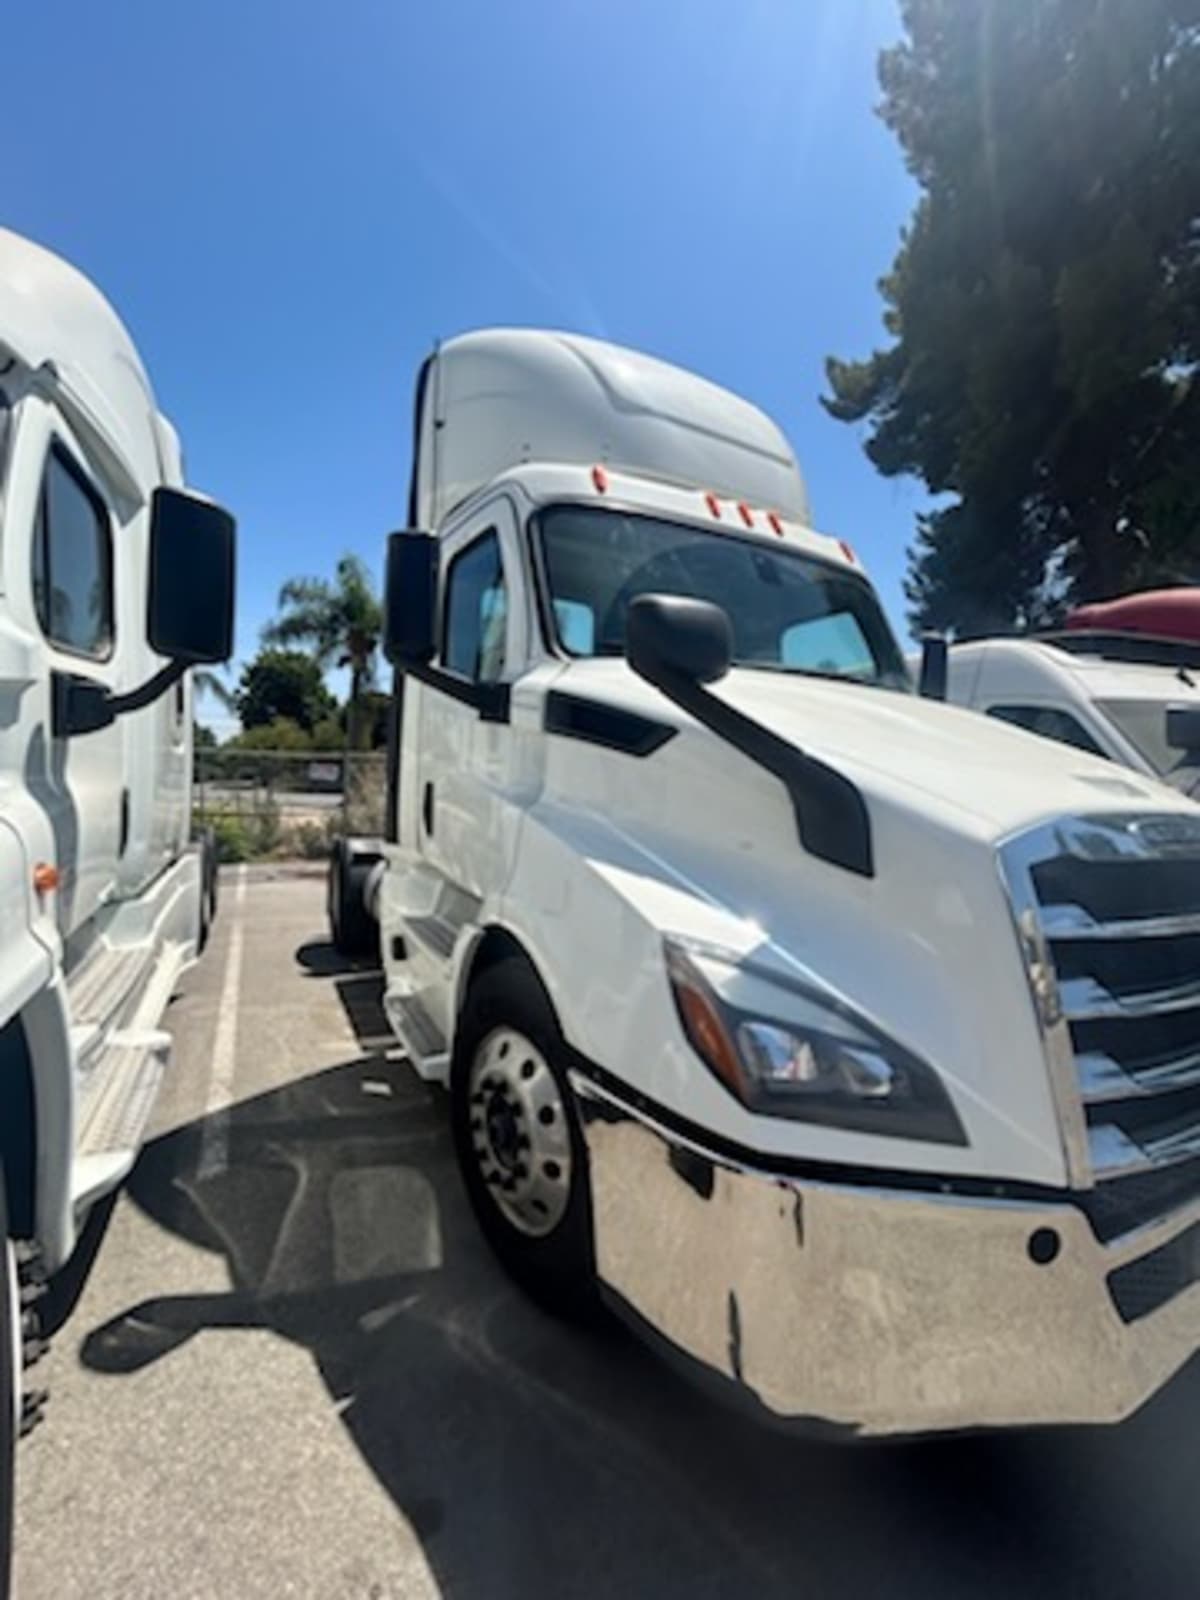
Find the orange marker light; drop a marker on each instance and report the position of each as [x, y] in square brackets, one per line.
[745, 513]
[776, 524]
[45, 877]
[847, 551]
[600, 479]
[713, 504]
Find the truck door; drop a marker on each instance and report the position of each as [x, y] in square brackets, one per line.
[77, 780]
[466, 741]
[459, 817]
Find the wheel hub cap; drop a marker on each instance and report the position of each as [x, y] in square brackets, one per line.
[519, 1132]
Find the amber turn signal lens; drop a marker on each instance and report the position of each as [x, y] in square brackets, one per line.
[703, 1023]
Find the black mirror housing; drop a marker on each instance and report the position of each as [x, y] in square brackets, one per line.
[191, 588]
[1183, 727]
[79, 705]
[934, 666]
[410, 599]
[673, 637]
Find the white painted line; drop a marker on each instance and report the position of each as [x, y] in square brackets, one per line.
[214, 1141]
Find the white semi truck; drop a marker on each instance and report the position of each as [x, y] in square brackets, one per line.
[114, 580]
[1133, 700]
[846, 1042]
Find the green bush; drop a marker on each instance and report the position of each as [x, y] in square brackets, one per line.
[281, 734]
[266, 828]
[233, 839]
[328, 734]
[309, 840]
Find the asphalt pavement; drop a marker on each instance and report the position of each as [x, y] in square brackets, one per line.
[295, 1370]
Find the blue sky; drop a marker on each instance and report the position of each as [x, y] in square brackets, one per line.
[289, 202]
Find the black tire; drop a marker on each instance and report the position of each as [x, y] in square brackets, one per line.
[208, 886]
[212, 875]
[352, 929]
[10, 1395]
[557, 1268]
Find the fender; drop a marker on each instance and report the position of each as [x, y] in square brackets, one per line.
[36, 1043]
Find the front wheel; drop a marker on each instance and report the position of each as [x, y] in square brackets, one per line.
[518, 1140]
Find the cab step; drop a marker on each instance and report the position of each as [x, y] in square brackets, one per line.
[104, 981]
[438, 935]
[120, 1093]
[420, 1034]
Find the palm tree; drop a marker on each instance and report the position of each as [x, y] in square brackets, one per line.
[339, 621]
[208, 683]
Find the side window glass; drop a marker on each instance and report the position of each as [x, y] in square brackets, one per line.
[476, 612]
[576, 626]
[72, 562]
[1050, 723]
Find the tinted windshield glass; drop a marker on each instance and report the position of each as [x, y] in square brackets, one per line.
[789, 612]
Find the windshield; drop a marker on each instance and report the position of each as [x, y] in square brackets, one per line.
[1144, 724]
[789, 612]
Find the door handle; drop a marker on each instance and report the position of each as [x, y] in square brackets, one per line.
[427, 808]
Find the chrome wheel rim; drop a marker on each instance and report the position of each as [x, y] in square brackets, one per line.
[519, 1133]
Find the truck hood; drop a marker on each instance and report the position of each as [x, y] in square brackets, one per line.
[970, 771]
[699, 842]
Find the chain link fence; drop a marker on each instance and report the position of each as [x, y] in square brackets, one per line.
[285, 803]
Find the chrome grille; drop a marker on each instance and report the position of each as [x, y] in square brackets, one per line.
[1109, 914]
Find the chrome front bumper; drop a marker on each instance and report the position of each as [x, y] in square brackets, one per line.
[882, 1311]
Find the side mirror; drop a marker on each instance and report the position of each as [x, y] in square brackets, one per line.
[670, 637]
[190, 604]
[79, 705]
[410, 599]
[934, 660]
[1183, 727]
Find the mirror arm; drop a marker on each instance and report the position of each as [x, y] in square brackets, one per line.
[81, 705]
[831, 814]
[165, 678]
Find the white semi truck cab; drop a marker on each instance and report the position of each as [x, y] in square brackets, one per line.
[847, 1043]
[114, 580]
[1133, 700]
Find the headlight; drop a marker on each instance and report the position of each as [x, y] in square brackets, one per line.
[786, 1050]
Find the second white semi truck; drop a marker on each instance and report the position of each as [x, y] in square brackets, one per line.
[845, 1042]
[114, 581]
[1130, 699]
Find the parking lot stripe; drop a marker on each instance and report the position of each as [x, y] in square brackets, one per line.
[214, 1139]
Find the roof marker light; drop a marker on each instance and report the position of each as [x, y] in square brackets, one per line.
[848, 551]
[745, 513]
[713, 504]
[600, 479]
[776, 524]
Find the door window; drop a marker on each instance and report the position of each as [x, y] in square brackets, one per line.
[72, 561]
[476, 615]
[1050, 723]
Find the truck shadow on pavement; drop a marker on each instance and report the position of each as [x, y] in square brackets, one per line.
[532, 1458]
